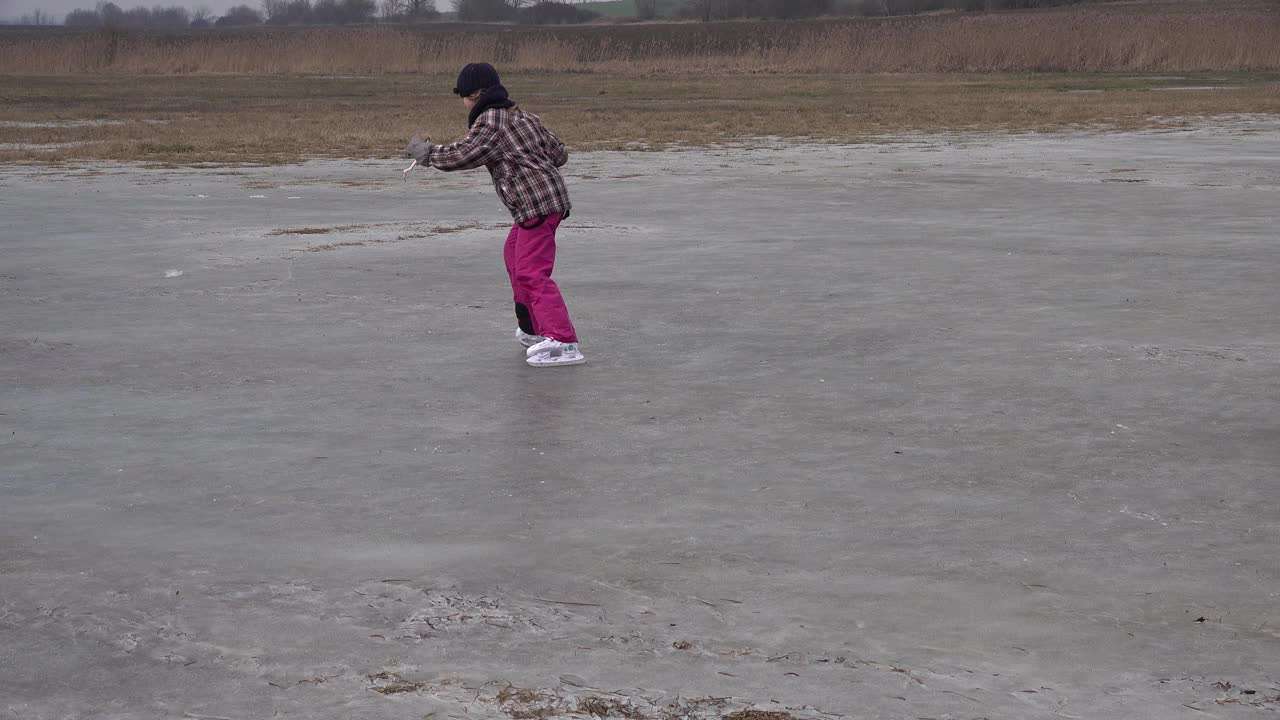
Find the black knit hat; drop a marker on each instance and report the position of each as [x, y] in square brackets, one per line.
[474, 77]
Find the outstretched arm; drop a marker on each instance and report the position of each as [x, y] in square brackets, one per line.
[473, 151]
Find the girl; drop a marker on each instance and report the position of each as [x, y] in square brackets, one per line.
[522, 156]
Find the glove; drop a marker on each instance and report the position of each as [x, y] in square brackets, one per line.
[419, 149]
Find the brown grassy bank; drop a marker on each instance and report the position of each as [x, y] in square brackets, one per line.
[1158, 37]
[193, 119]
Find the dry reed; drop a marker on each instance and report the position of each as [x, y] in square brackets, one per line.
[1124, 38]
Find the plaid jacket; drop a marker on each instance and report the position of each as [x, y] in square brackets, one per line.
[522, 156]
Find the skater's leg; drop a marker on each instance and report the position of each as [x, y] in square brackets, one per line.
[523, 318]
[535, 258]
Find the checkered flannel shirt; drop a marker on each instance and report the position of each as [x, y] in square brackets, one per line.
[522, 156]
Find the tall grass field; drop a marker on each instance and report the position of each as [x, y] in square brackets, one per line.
[1173, 37]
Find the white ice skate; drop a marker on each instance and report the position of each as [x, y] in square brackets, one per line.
[553, 353]
[526, 339]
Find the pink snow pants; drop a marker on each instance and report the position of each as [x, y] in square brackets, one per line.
[530, 254]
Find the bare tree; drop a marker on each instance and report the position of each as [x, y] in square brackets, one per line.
[275, 10]
[36, 17]
[646, 9]
[82, 18]
[239, 15]
[410, 10]
[391, 10]
[173, 17]
[298, 12]
[110, 14]
[138, 17]
[420, 9]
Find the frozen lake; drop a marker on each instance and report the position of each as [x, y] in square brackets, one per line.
[956, 427]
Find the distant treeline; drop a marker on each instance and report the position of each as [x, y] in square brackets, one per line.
[560, 12]
[324, 12]
[275, 12]
[112, 15]
[790, 9]
[541, 12]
